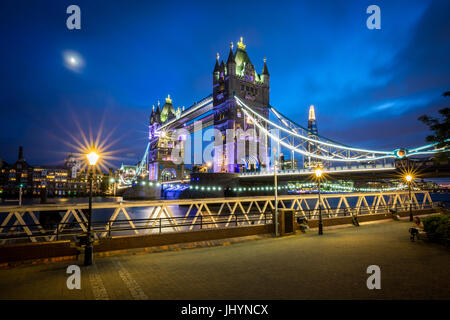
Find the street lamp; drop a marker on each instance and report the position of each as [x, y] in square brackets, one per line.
[318, 173]
[113, 181]
[409, 179]
[275, 182]
[20, 194]
[92, 158]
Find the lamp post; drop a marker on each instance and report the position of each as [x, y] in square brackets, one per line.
[275, 163]
[113, 181]
[89, 250]
[20, 194]
[318, 172]
[409, 179]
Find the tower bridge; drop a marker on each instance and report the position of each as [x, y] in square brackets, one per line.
[249, 135]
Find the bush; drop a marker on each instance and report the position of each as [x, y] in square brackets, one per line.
[437, 227]
[431, 223]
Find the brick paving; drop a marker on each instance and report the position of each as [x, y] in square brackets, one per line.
[304, 266]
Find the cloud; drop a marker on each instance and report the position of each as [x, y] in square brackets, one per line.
[416, 78]
[395, 107]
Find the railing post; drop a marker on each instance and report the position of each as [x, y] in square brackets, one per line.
[109, 229]
[57, 231]
[201, 222]
[265, 222]
[236, 219]
[160, 227]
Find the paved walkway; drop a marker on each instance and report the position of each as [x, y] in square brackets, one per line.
[306, 266]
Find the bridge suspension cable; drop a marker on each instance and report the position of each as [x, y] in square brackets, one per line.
[143, 161]
[127, 181]
[300, 140]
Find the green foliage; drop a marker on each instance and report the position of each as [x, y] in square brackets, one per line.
[437, 227]
[431, 223]
[440, 129]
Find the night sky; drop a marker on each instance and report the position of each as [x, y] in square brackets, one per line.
[368, 86]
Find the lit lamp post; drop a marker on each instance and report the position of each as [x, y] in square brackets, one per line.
[208, 165]
[89, 250]
[113, 181]
[409, 179]
[318, 172]
[275, 182]
[20, 194]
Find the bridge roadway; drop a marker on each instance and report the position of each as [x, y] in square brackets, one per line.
[303, 266]
[199, 111]
[355, 172]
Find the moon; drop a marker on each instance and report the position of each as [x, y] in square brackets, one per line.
[73, 60]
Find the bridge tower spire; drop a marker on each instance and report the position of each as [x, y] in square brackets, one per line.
[237, 77]
[313, 134]
[265, 73]
[312, 126]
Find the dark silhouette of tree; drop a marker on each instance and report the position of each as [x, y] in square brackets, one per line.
[440, 129]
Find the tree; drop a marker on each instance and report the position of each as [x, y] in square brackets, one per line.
[440, 129]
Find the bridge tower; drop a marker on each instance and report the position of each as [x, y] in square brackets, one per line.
[238, 77]
[161, 164]
[312, 133]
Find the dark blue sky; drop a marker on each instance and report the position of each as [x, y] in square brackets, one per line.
[368, 86]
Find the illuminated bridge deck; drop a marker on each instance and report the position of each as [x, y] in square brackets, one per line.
[355, 172]
[332, 170]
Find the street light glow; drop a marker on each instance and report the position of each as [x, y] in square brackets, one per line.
[408, 178]
[92, 158]
[318, 172]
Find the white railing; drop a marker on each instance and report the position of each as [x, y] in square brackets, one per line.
[185, 214]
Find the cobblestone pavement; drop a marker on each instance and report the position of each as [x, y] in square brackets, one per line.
[304, 266]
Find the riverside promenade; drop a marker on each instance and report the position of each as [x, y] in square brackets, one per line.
[303, 266]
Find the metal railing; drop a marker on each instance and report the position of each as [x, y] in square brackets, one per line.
[108, 229]
[191, 214]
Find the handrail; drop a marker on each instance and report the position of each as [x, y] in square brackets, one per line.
[208, 212]
[149, 203]
[100, 227]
